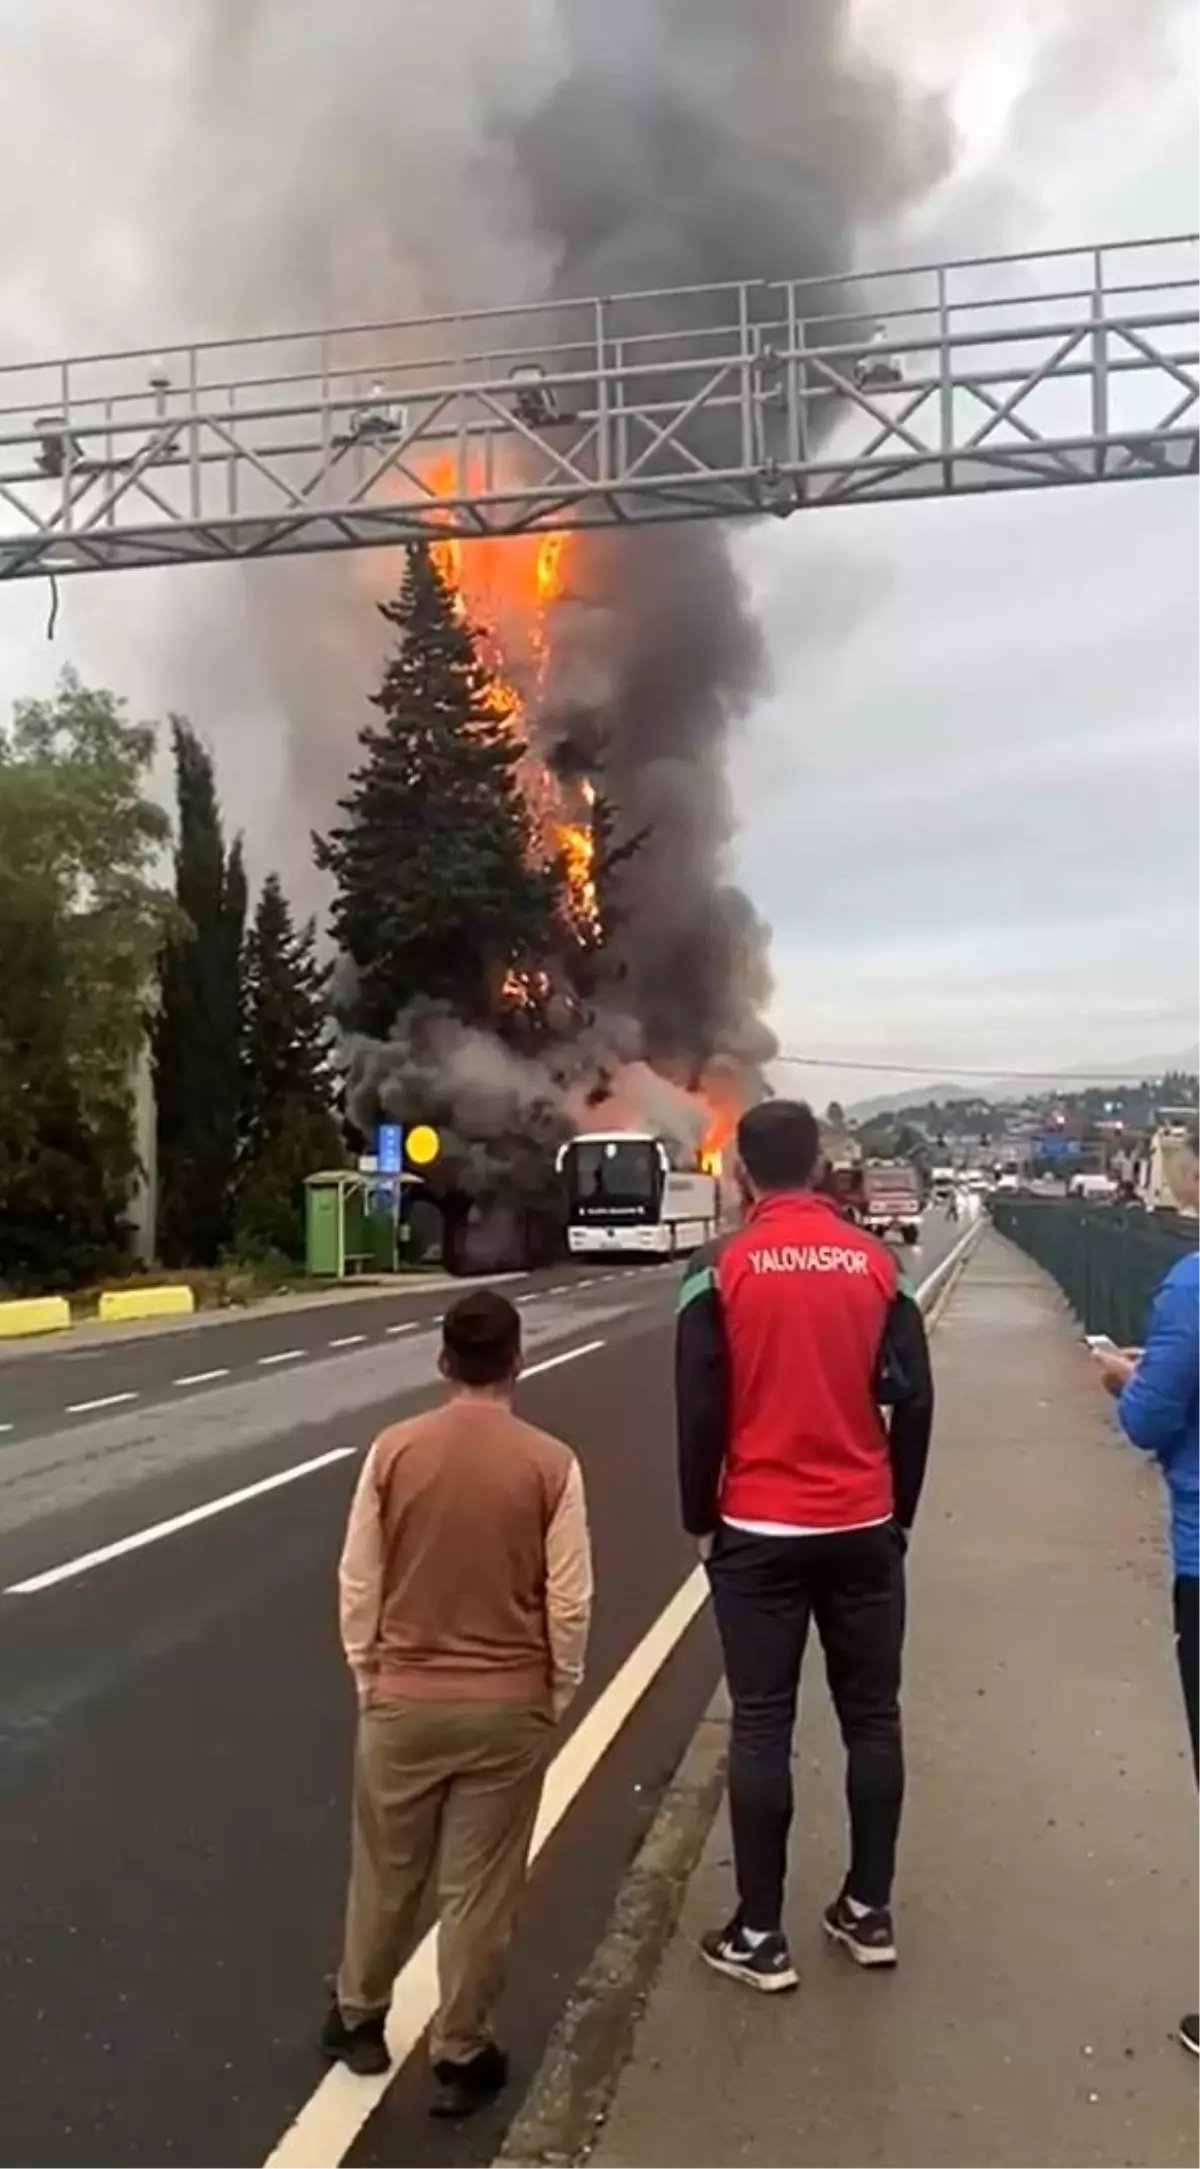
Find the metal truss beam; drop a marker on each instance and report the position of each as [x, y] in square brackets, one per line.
[941, 380]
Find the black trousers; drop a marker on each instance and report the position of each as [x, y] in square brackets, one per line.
[1187, 1630]
[765, 1591]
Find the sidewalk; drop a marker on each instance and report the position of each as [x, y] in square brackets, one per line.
[1047, 1905]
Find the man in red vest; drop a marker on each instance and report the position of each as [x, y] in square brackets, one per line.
[794, 1334]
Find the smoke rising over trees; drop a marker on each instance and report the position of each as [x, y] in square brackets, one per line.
[647, 143]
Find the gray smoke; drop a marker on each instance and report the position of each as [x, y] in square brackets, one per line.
[690, 143]
[643, 144]
[352, 163]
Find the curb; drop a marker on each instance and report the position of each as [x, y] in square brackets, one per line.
[92, 1332]
[559, 2120]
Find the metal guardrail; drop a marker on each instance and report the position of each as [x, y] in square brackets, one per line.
[1107, 1259]
[934, 1283]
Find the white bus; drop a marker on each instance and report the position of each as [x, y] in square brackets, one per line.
[625, 1199]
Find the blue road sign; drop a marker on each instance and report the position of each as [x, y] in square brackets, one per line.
[389, 1147]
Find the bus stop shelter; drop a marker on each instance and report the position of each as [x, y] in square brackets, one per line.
[353, 1223]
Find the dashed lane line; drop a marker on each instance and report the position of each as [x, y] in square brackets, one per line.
[551, 1363]
[344, 1340]
[160, 1529]
[84, 1564]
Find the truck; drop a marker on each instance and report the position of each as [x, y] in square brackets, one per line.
[891, 1199]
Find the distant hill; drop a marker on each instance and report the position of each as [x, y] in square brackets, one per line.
[886, 1103]
[1007, 1090]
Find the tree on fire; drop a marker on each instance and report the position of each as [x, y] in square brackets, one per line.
[442, 888]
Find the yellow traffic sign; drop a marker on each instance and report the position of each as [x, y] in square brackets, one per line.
[422, 1145]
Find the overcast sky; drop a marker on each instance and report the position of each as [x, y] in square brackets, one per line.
[970, 803]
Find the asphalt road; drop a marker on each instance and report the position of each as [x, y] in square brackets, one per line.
[175, 1724]
[79, 1373]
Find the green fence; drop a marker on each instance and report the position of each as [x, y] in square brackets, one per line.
[1107, 1259]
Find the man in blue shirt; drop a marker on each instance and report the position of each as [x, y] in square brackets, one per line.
[1157, 1404]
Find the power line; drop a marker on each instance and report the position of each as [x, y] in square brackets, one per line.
[991, 1076]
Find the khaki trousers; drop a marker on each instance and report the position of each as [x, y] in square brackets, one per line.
[445, 1797]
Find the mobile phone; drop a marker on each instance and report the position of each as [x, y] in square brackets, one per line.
[1101, 1345]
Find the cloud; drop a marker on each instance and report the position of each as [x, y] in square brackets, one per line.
[969, 807]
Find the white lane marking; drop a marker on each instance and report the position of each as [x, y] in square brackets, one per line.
[5, 1427]
[348, 1340]
[330, 2121]
[200, 1378]
[106, 1400]
[159, 1529]
[285, 1355]
[551, 1363]
[411, 1327]
[332, 2118]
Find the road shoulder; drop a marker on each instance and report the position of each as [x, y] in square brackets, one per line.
[569, 2099]
[1048, 1899]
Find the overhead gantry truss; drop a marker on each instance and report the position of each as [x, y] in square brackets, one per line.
[942, 380]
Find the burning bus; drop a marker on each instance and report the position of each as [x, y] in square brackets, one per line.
[624, 1195]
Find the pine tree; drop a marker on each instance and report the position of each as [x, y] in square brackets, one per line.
[441, 890]
[197, 1040]
[288, 1127]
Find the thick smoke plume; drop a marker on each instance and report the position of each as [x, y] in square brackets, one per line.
[572, 150]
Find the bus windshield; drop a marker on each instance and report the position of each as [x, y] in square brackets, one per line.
[613, 1175]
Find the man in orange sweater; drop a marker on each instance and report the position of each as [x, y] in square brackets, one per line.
[466, 1590]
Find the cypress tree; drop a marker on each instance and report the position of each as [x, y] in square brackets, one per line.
[198, 1030]
[288, 1127]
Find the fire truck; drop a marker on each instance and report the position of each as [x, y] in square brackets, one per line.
[891, 1199]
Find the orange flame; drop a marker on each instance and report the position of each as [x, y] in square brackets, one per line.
[506, 585]
[577, 849]
[723, 1095]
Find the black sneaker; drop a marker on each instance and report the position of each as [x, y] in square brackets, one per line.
[765, 1964]
[1189, 2033]
[461, 2089]
[868, 1937]
[361, 2048]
